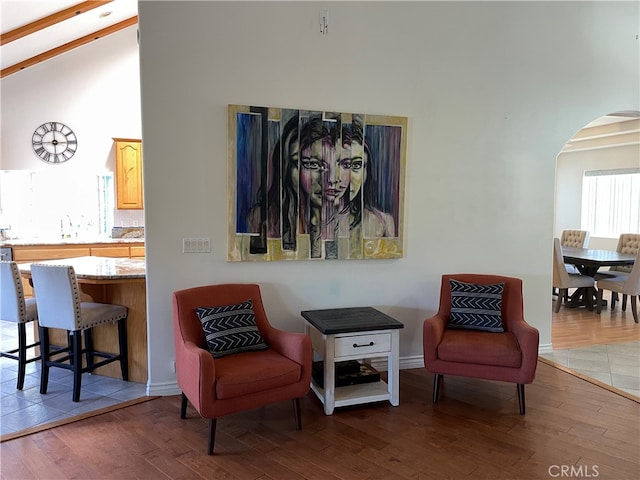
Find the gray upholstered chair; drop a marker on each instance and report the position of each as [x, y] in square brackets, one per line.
[563, 280]
[15, 308]
[625, 284]
[59, 306]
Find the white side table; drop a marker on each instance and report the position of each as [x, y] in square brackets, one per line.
[358, 333]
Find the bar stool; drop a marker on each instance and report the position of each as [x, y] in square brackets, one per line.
[15, 308]
[59, 306]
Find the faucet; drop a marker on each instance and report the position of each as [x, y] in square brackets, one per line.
[64, 232]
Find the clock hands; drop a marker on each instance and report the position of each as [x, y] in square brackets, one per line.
[55, 142]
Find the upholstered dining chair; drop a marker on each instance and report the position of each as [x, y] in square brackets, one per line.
[220, 372]
[627, 285]
[577, 239]
[563, 280]
[627, 243]
[60, 306]
[480, 331]
[15, 308]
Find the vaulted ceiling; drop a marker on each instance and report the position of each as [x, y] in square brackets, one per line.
[34, 31]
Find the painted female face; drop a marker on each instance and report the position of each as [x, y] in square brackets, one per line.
[324, 174]
[294, 169]
[357, 159]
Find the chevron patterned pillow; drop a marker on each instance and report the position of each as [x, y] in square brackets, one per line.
[231, 329]
[476, 307]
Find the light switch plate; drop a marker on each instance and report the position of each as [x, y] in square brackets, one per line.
[196, 245]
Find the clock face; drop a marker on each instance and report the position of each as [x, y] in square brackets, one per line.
[54, 142]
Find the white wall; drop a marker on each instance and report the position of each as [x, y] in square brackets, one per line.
[95, 90]
[492, 92]
[570, 170]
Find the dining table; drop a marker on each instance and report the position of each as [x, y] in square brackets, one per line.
[588, 261]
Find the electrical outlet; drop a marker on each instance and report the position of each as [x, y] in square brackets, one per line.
[196, 245]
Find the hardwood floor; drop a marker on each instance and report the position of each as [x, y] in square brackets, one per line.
[474, 432]
[578, 327]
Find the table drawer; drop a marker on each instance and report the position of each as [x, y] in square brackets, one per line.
[363, 344]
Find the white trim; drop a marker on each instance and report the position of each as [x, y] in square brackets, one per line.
[416, 361]
[568, 149]
[603, 135]
[171, 388]
[546, 348]
[163, 389]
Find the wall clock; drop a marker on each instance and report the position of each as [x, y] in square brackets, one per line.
[54, 142]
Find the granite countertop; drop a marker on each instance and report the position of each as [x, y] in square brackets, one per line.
[98, 268]
[22, 242]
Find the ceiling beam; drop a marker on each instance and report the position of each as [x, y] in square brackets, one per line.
[51, 20]
[68, 46]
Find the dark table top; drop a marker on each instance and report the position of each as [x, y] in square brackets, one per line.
[602, 258]
[346, 320]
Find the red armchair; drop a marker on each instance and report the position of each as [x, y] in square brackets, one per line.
[240, 381]
[510, 356]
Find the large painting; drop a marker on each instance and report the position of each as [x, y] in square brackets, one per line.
[314, 185]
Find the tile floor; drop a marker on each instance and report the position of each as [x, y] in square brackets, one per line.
[616, 364]
[21, 409]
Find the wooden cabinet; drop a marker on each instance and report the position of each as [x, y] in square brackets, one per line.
[117, 251]
[128, 174]
[35, 253]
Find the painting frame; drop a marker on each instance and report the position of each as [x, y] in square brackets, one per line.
[314, 184]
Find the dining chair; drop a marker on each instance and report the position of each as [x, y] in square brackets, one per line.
[627, 243]
[60, 306]
[624, 284]
[15, 308]
[577, 239]
[563, 280]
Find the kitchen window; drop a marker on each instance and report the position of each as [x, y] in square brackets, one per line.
[54, 204]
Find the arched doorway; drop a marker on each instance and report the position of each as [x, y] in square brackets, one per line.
[583, 341]
[608, 142]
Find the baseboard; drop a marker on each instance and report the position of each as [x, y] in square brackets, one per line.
[416, 361]
[380, 364]
[164, 389]
[545, 348]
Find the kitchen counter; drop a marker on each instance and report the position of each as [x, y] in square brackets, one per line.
[97, 268]
[117, 280]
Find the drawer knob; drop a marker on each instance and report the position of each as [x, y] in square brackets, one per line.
[370, 344]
